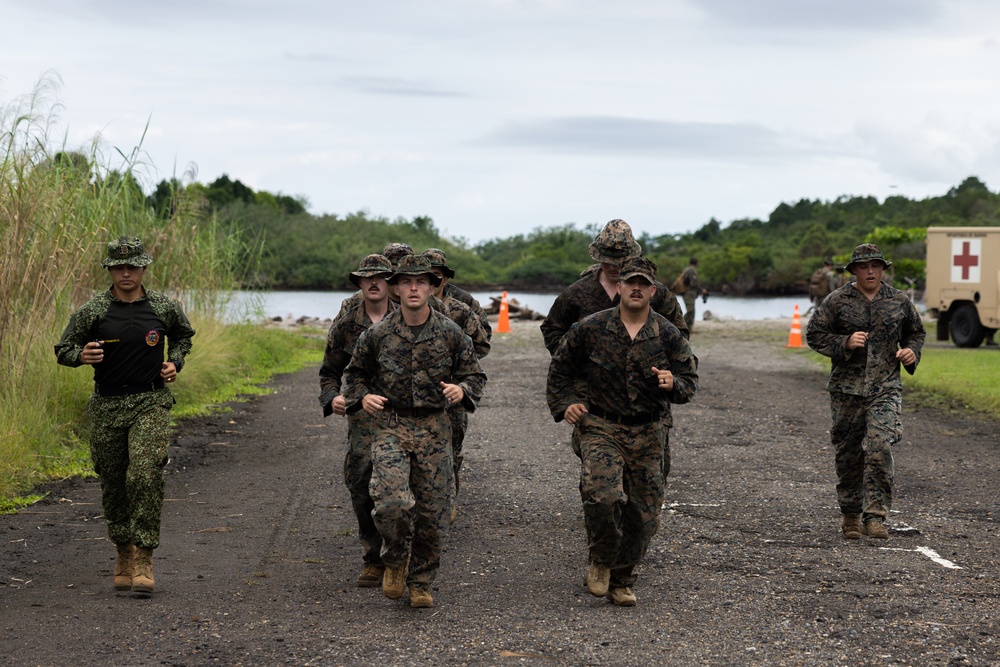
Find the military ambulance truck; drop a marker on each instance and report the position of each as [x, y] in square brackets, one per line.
[963, 282]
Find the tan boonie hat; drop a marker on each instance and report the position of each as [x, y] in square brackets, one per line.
[372, 265]
[127, 250]
[440, 260]
[864, 253]
[394, 251]
[638, 266]
[615, 243]
[414, 265]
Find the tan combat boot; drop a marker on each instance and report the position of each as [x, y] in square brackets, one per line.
[598, 578]
[420, 598]
[622, 596]
[876, 529]
[142, 574]
[371, 576]
[124, 567]
[851, 527]
[394, 580]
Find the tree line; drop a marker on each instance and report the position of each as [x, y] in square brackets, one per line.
[293, 249]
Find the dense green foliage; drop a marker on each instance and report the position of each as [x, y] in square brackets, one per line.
[745, 256]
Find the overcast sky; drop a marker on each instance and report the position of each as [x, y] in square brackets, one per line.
[495, 117]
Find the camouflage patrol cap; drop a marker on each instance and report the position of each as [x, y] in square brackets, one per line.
[615, 243]
[372, 265]
[414, 265]
[127, 250]
[864, 253]
[638, 266]
[394, 251]
[440, 260]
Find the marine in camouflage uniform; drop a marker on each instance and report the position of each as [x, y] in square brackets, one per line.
[633, 364]
[405, 371]
[588, 295]
[868, 329]
[393, 252]
[123, 332]
[691, 294]
[462, 315]
[343, 336]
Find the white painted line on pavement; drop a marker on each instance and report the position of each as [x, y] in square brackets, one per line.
[930, 553]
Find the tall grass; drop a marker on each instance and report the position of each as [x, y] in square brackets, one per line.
[58, 210]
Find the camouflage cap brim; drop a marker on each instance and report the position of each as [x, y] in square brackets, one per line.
[611, 255]
[139, 260]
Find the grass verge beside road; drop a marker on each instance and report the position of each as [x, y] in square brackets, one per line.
[227, 361]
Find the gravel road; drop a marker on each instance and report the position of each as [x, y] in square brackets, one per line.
[259, 550]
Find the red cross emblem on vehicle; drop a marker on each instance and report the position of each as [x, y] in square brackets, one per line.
[965, 264]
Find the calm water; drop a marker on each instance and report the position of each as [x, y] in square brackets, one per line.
[327, 304]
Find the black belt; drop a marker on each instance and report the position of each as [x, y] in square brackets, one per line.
[626, 420]
[127, 389]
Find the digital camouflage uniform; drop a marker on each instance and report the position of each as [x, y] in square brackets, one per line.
[475, 327]
[587, 296]
[462, 315]
[412, 482]
[623, 435]
[340, 342]
[865, 388]
[456, 292]
[690, 277]
[130, 408]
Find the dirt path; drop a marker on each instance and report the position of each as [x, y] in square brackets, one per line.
[259, 551]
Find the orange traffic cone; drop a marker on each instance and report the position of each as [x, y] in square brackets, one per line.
[795, 336]
[503, 324]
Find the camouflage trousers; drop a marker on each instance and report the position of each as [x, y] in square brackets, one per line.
[690, 297]
[621, 485]
[459, 418]
[864, 431]
[129, 445]
[664, 465]
[413, 488]
[357, 477]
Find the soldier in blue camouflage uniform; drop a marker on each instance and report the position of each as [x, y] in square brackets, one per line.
[868, 329]
[121, 332]
[370, 278]
[614, 376]
[596, 290]
[462, 315]
[405, 371]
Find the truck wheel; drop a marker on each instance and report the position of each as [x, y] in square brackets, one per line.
[966, 331]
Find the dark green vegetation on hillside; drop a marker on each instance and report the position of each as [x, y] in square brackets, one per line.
[745, 256]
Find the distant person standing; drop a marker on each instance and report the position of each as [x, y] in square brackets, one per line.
[613, 378]
[868, 329]
[122, 332]
[822, 282]
[405, 371]
[370, 279]
[691, 291]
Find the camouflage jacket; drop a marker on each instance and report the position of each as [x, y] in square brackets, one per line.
[617, 370]
[891, 321]
[340, 342]
[462, 315]
[389, 362]
[587, 296]
[456, 292]
[134, 331]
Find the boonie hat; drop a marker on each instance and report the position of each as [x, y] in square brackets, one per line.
[615, 243]
[414, 265]
[372, 265]
[638, 266]
[440, 260]
[394, 251]
[127, 250]
[864, 253]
